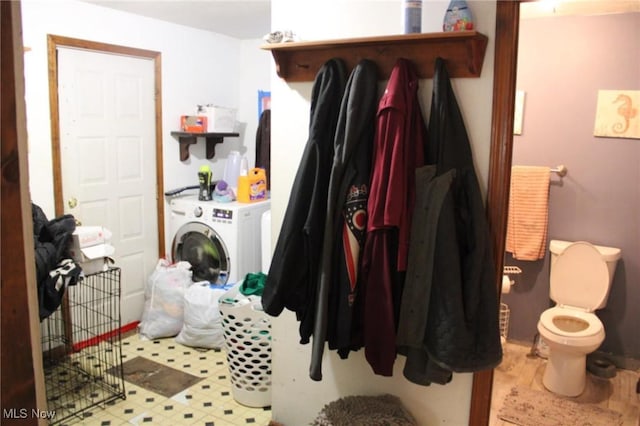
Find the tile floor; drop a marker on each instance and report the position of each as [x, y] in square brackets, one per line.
[617, 394]
[209, 402]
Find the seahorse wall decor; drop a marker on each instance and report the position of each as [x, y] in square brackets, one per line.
[617, 114]
[626, 111]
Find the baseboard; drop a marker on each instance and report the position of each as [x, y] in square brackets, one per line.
[127, 328]
[620, 361]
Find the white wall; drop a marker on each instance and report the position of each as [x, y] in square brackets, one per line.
[197, 67]
[296, 398]
[254, 75]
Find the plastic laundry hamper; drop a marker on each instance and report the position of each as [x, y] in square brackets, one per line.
[247, 336]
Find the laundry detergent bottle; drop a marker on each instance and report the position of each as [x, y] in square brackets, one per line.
[253, 186]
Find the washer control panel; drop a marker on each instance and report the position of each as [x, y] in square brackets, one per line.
[222, 215]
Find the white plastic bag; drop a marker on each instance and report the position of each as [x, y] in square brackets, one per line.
[202, 327]
[163, 313]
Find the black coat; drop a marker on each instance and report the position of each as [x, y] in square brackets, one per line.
[345, 222]
[52, 241]
[263, 144]
[293, 274]
[449, 314]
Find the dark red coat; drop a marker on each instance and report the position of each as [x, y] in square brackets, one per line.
[398, 151]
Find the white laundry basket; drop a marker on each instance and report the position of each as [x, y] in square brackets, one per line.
[247, 335]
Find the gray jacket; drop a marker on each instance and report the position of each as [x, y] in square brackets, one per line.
[449, 314]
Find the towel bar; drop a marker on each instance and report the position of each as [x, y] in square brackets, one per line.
[561, 170]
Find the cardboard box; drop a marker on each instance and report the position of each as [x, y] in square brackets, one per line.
[194, 124]
[95, 258]
[90, 248]
[219, 119]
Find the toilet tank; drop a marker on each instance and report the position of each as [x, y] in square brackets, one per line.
[610, 255]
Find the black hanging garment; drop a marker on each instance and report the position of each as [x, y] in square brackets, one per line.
[345, 222]
[54, 268]
[449, 313]
[293, 274]
[263, 144]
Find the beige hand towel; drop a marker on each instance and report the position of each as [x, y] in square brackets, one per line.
[528, 212]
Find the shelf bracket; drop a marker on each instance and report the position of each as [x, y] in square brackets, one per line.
[186, 139]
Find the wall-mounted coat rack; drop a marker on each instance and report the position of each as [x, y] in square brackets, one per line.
[463, 52]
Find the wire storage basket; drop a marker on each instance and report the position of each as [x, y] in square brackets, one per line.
[81, 348]
[504, 309]
[247, 336]
[504, 321]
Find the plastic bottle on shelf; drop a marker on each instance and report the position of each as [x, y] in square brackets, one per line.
[412, 13]
[458, 17]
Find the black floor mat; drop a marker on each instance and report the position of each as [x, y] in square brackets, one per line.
[157, 378]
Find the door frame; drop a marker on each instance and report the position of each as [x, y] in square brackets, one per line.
[55, 41]
[21, 368]
[504, 89]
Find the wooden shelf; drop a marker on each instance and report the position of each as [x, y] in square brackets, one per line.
[212, 139]
[462, 51]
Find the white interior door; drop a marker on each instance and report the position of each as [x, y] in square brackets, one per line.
[107, 144]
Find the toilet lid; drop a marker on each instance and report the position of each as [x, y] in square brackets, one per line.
[579, 277]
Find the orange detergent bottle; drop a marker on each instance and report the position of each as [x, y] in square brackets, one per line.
[253, 186]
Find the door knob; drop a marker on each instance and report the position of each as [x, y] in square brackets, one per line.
[72, 203]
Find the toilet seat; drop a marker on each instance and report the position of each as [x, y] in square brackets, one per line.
[577, 324]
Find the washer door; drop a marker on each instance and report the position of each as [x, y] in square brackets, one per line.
[202, 247]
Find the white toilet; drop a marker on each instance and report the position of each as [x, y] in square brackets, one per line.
[580, 279]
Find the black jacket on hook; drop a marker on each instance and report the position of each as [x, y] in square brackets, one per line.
[449, 314]
[263, 144]
[293, 274]
[345, 222]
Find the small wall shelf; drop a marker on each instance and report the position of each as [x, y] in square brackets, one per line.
[212, 139]
[463, 52]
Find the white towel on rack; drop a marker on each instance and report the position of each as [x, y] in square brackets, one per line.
[528, 212]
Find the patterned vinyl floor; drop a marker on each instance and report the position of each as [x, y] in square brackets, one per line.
[209, 402]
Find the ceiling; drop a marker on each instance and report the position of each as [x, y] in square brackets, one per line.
[236, 18]
[251, 19]
[551, 8]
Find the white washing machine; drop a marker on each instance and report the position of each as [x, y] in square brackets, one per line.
[222, 241]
